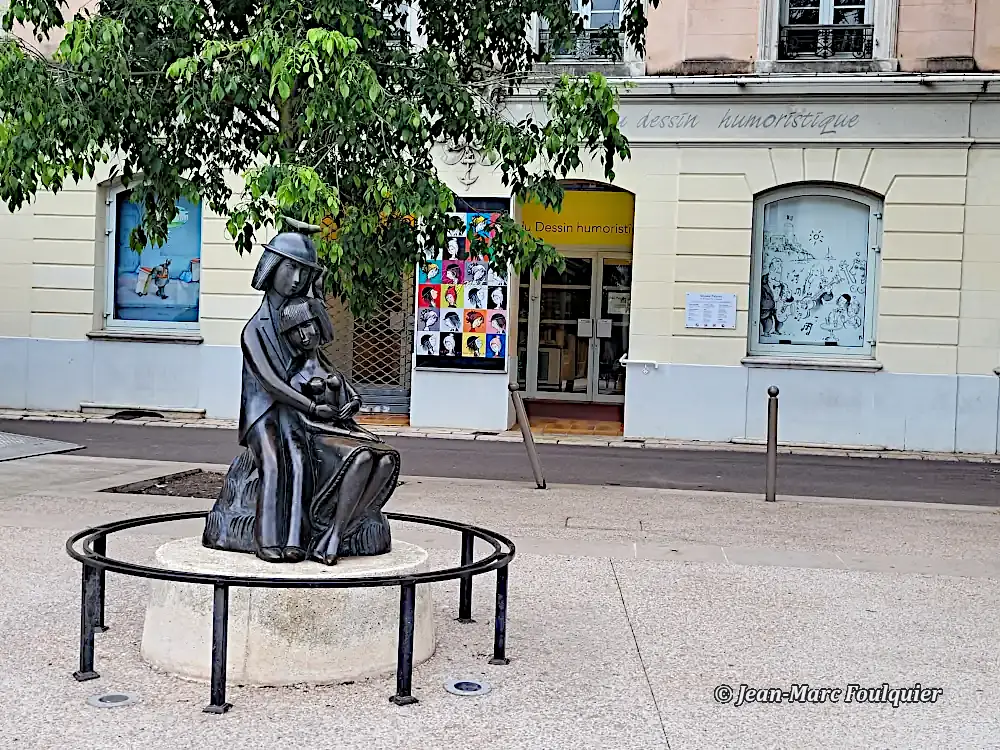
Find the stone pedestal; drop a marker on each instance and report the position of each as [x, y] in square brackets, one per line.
[284, 636]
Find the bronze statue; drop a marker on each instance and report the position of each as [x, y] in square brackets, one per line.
[312, 482]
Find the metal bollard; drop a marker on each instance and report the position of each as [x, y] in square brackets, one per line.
[772, 444]
[529, 441]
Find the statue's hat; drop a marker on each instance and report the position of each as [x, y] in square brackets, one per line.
[295, 246]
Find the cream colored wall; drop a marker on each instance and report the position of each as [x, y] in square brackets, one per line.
[52, 270]
[686, 30]
[979, 327]
[699, 238]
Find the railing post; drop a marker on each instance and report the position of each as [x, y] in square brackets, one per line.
[220, 640]
[404, 656]
[101, 548]
[500, 623]
[465, 582]
[529, 440]
[770, 487]
[88, 622]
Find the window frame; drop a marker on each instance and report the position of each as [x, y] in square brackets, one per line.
[883, 15]
[111, 323]
[826, 7]
[804, 190]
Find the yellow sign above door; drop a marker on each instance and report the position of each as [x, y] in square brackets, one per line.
[589, 218]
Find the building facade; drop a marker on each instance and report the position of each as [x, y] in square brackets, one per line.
[810, 203]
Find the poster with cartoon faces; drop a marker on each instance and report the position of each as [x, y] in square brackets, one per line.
[814, 272]
[462, 317]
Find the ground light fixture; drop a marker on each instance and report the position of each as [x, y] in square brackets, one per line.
[112, 700]
[468, 686]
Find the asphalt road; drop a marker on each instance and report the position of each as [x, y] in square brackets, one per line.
[820, 476]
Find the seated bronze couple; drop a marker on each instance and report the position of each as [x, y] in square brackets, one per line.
[311, 483]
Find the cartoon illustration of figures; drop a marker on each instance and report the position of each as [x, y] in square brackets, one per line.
[161, 277]
[429, 272]
[429, 296]
[428, 345]
[452, 322]
[474, 321]
[474, 346]
[449, 345]
[429, 319]
[498, 322]
[455, 249]
[494, 346]
[452, 273]
[837, 320]
[451, 297]
[498, 298]
[475, 273]
[854, 314]
[496, 277]
[855, 274]
[776, 299]
[475, 297]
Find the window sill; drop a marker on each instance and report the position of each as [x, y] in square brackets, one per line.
[147, 337]
[813, 363]
[826, 66]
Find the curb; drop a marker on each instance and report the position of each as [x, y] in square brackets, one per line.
[739, 445]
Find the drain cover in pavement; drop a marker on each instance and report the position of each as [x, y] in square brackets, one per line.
[24, 446]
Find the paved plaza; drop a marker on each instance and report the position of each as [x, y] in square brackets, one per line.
[628, 609]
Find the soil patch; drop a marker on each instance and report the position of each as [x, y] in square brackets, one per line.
[194, 483]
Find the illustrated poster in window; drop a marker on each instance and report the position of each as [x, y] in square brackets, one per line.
[462, 315]
[159, 284]
[814, 272]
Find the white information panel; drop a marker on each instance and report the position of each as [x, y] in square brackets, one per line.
[710, 310]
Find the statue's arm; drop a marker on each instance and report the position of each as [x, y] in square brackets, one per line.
[259, 364]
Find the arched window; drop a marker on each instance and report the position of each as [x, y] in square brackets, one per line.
[813, 281]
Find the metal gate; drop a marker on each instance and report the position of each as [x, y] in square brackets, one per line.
[375, 355]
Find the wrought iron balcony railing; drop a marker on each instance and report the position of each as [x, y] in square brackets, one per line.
[592, 44]
[825, 42]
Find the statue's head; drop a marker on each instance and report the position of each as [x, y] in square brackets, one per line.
[299, 325]
[305, 324]
[289, 265]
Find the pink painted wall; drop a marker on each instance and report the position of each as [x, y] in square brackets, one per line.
[987, 40]
[49, 46]
[681, 31]
[935, 29]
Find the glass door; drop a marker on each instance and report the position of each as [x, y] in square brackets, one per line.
[611, 322]
[557, 348]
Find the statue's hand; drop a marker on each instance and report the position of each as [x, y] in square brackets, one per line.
[349, 409]
[323, 412]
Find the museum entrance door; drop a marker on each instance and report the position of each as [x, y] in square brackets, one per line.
[573, 328]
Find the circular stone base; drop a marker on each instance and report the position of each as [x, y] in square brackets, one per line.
[284, 636]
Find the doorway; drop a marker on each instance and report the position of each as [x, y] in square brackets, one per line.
[573, 329]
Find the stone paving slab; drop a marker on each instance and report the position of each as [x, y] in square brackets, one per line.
[13, 446]
[514, 436]
[628, 608]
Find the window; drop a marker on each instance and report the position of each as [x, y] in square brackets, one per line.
[813, 272]
[826, 29]
[600, 19]
[159, 287]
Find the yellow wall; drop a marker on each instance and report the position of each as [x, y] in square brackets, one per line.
[939, 274]
[52, 270]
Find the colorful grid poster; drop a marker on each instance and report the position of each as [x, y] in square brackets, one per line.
[462, 301]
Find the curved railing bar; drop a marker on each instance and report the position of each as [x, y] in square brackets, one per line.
[497, 559]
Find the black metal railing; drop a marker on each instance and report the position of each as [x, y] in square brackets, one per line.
[592, 44]
[824, 42]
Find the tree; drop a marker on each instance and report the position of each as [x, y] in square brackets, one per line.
[325, 108]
